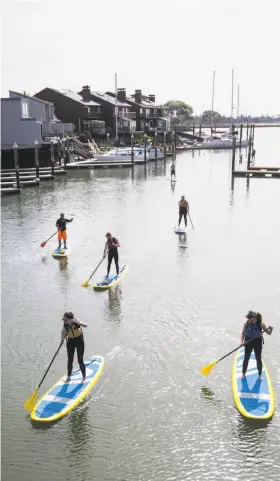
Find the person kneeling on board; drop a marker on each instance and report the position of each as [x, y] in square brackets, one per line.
[72, 331]
[173, 172]
[111, 246]
[252, 331]
[183, 210]
[62, 232]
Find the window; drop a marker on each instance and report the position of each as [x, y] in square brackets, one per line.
[25, 112]
[141, 111]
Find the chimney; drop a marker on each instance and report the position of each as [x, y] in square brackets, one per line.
[86, 93]
[152, 98]
[138, 96]
[122, 94]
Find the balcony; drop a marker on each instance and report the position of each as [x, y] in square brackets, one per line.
[153, 115]
[56, 128]
[126, 115]
[95, 115]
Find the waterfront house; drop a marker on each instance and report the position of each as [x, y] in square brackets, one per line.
[126, 118]
[84, 113]
[24, 120]
[149, 116]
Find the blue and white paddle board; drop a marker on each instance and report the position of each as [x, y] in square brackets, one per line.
[180, 230]
[60, 252]
[111, 280]
[254, 399]
[64, 396]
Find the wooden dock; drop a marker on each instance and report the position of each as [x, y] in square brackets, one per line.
[98, 165]
[27, 178]
[258, 172]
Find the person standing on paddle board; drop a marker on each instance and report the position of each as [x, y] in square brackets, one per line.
[173, 172]
[72, 331]
[252, 331]
[111, 246]
[62, 232]
[183, 210]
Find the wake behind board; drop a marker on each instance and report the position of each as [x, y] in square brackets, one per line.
[64, 396]
[180, 230]
[60, 252]
[112, 280]
[254, 399]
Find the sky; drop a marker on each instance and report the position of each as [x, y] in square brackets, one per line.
[166, 48]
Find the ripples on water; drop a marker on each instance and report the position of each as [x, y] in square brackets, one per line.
[152, 416]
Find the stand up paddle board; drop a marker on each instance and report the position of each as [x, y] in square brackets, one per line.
[112, 280]
[180, 230]
[60, 252]
[254, 399]
[64, 396]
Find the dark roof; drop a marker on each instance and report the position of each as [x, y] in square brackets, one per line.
[109, 98]
[77, 97]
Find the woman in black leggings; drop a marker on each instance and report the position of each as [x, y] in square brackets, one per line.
[111, 246]
[72, 331]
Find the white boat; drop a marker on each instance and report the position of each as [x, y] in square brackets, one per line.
[152, 154]
[224, 142]
[124, 155]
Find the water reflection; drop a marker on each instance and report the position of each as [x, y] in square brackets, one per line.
[113, 308]
[78, 434]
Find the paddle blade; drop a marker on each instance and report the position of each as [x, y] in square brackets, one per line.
[85, 284]
[207, 369]
[31, 401]
[43, 244]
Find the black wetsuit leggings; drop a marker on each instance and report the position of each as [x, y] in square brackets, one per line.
[72, 344]
[183, 213]
[113, 254]
[255, 344]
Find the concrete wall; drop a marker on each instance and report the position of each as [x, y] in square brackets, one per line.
[14, 128]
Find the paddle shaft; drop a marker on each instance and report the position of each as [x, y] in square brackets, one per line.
[50, 238]
[241, 345]
[51, 363]
[190, 220]
[98, 265]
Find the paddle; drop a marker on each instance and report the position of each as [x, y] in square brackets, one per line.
[44, 243]
[207, 369]
[85, 284]
[30, 402]
[190, 220]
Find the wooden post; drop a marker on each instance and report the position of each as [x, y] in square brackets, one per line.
[193, 131]
[247, 130]
[15, 147]
[249, 153]
[253, 135]
[108, 135]
[233, 154]
[52, 156]
[200, 130]
[36, 145]
[132, 148]
[164, 144]
[155, 142]
[145, 148]
[240, 139]
[175, 141]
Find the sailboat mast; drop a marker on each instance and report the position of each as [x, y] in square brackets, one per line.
[212, 105]
[116, 107]
[237, 113]
[231, 114]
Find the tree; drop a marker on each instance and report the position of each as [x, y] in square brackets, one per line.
[179, 109]
[210, 114]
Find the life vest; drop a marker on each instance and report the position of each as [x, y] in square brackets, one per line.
[73, 331]
[111, 241]
[253, 330]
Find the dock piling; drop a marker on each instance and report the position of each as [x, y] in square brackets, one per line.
[36, 146]
[155, 142]
[247, 130]
[240, 135]
[233, 153]
[249, 153]
[145, 148]
[193, 131]
[52, 156]
[15, 147]
[164, 144]
[175, 142]
[132, 148]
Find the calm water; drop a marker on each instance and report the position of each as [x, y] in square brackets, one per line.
[152, 416]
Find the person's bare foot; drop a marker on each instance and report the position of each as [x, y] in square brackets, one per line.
[67, 379]
[259, 378]
[243, 376]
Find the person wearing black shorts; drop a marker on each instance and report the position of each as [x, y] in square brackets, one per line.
[111, 246]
